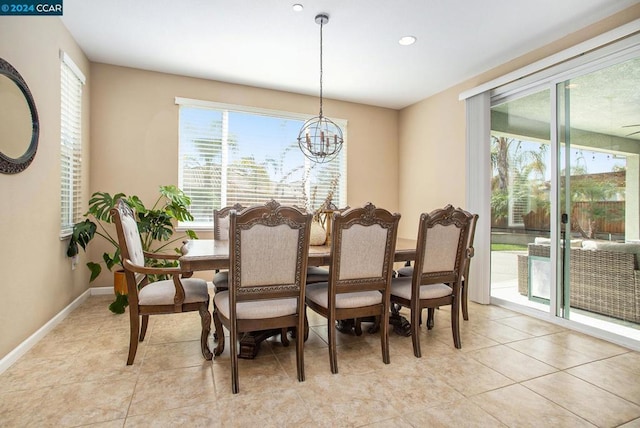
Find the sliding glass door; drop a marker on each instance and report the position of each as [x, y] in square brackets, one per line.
[565, 196]
[521, 198]
[599, 135]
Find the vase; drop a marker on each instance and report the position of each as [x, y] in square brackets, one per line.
[318, 234]
[119, 282]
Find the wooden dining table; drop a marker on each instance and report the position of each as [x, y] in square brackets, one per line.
[212, 254]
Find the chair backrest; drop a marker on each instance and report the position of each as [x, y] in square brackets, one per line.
[362, 249]
[442, 245]
[221, 221]
[129, 241]
[268, 251]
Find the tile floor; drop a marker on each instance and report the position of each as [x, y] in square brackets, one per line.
[512, 370]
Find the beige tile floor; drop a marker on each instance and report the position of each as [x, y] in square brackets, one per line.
[512, 370]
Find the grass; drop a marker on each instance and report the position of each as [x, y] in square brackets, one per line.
[508, 247]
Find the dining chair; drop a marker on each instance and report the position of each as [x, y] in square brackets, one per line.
[437, 271]
[221, 233]
[362, 252]
[268, 252]
[407, 270]
[175, 295]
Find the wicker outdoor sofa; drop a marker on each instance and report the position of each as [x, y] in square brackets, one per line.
[604, 277]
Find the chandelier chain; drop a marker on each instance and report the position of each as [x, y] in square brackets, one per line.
[320, 139]
[321, 25]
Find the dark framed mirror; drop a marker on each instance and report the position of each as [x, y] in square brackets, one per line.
[19, 126]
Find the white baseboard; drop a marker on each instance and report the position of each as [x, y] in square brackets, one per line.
[9, 359]
[101, 291]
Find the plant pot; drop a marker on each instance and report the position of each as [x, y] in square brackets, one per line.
[318, 234]
[119, 282]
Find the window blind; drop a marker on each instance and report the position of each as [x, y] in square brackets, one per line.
[232, 154]
[70, 144]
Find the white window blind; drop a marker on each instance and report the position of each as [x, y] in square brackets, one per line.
[72, 80]
[231, 154]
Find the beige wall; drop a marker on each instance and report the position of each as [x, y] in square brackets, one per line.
[432, 133]
[135, 134]
[36, 279]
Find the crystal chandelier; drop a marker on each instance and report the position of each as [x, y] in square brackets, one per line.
[320, 139]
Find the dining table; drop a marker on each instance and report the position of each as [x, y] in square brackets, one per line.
[213, 254]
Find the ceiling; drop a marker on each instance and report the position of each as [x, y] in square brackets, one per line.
[264, 43]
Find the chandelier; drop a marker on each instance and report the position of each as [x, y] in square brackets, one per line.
[320, 139]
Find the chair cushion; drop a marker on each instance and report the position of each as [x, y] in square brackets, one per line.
[221, 281]
[317, 274]
[163, 292]
[405, 271]
[318, 293]
[256, 309]
[401, 287]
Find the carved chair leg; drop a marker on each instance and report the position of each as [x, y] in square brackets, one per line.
[455, 326]
[306, 326]
[283, 337]
[465, 309]
[220, 333]
[300, 338]
[205, 316]
[333, 360]
[133, 336]
[235, 387]
[357, 326]
[143, 330]
[415, 331]
[384, 336]
[430, 318]
[376, 325]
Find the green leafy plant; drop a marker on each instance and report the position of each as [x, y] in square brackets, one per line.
[155, 225]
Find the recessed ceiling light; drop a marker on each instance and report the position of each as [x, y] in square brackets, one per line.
[298, 7]
[407, 40]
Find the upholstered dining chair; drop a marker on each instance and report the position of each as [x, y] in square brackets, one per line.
[408, 269]
[178, 294]
[221, 232]
[362, 252]
[437, 271]
[268, 252]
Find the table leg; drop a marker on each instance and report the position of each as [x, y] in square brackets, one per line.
[250, 342]
[401, 326]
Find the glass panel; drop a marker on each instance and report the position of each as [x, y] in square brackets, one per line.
[231, 156]
[599, 127]
[520, 200]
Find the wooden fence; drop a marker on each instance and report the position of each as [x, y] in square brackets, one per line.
[609, 217]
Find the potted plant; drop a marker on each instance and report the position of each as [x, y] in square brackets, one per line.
[155, 225]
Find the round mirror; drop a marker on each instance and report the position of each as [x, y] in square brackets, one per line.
[19, 126]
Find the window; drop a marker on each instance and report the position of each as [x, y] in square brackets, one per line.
[231, 154]
[72, 80]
